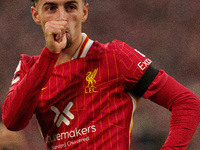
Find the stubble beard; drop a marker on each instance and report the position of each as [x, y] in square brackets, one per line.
[69, 39]
[69, 43]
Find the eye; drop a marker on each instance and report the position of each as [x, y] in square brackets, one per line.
[71, 7]
[50, 8]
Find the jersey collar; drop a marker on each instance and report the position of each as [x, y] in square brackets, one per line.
[83, 48]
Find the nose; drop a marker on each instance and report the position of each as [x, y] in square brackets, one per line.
[62, 14]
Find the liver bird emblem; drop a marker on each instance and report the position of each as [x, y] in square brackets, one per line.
[90, 77]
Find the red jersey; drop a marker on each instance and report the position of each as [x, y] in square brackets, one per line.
[88, 102]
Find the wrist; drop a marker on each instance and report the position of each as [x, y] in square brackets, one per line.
[47, 53]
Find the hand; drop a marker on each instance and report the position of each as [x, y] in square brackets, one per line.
[56, 35]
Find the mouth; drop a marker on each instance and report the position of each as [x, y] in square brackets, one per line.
[67, 33]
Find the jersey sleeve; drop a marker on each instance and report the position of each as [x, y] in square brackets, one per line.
[26, 62]
[184, 107]
[135, 68]
[30, 76]
[145, 81]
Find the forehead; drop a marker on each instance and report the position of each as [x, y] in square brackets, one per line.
[59, 1]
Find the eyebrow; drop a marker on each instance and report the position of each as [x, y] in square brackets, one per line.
[54, 3]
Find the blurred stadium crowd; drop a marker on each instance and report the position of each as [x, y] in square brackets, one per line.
[168, 32]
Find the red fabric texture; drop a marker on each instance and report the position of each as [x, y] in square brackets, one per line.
[184, 107]
[39, 75]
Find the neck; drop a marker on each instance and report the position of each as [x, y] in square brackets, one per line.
[67, 54]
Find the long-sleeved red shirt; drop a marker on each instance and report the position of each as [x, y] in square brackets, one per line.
[89, 102]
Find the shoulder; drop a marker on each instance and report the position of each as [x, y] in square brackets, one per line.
[28, 61]
[120, 49]
[24, 65]
[113, 46]
[114, 43]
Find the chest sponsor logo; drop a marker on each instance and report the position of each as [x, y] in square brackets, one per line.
[90, 78]
[70, 138]
[64, 116]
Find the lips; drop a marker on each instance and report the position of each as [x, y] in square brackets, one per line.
[67, 34]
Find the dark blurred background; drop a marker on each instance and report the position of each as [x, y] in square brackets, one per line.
[167, 31]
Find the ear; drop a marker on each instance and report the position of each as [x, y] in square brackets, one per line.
[35, 15]
[85, 12]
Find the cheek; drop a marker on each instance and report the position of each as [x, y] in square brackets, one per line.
[46, 18]
[77, 22]
[43, 25]
[43, 21]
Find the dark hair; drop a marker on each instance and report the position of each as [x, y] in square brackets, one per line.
[36, 1]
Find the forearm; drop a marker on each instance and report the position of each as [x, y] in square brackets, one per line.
[21, 100]
[184, 121]
[185, 112]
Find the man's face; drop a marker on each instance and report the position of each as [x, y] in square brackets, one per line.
[72, 11]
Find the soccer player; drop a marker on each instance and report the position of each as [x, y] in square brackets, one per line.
[84, 93]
